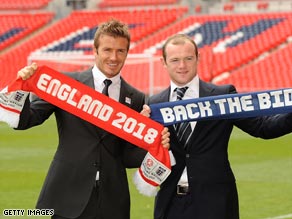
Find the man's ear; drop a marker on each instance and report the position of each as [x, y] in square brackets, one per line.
[163, 62]
[94, 49]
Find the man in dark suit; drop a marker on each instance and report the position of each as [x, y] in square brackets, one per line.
[202, 184]
[87, 177]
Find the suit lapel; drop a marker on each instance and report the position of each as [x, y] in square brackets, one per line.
[164, 95]
[126, 94]
[86, 78]
[205, 89]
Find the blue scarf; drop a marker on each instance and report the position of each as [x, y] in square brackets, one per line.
[229, 106]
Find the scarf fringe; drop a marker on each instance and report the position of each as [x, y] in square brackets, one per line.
[142, 186]
[11, 118]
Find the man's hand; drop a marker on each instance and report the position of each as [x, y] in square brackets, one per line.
[146, 110]
[165, 133]
[26, 72]
[165, 139]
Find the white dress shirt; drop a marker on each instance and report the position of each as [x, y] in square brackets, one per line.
[191, 93]
[113, 90]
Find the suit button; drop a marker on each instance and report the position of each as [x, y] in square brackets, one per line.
[187, 155]
[96, 165]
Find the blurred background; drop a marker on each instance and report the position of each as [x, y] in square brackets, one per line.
[244, 42]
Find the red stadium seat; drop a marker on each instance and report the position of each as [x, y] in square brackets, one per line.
[198, 8]
[151, 20]
[23, 4]
[126, 3]
[229, 44]
[18, 26]
[228, 7]
[262, 5]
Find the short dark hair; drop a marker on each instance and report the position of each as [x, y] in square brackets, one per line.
[114, 28]
[179, 39]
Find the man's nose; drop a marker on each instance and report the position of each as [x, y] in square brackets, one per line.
[181, 63]
[113, 55]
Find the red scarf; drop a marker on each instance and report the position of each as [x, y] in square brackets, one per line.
[98, 109]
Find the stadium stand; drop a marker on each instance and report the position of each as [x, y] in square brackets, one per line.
[23, 4]
[262, 5]
[16, 26]
[227, 42]
[81, 25]
[228, 7]
[125, 3]
[271, 73]
[234, 47]
[198, 8]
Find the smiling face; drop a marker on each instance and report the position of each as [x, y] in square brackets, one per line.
[111, 54]
[180, 60]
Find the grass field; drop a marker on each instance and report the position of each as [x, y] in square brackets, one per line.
[263, 169]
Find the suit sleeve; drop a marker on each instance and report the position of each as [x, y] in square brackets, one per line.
[34, 113]
[266, 127]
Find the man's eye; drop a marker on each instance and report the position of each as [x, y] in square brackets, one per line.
[106, 50]
[122, 51]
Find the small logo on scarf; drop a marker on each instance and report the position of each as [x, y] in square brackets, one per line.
[154, 170]
[18, 96]
[149, 163]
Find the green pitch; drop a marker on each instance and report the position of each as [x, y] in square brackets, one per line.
[263, 169]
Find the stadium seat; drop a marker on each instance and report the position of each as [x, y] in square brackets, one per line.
[228, 7]
[270, 73]
[231, 45]
[198, 8]
[126, 3]
[18, 26]
[23, 4]
[262, 5]
[64, 36]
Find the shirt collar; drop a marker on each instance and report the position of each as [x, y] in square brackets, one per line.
[99, 77]
[192, 91]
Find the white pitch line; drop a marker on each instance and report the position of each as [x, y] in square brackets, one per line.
[281, 217]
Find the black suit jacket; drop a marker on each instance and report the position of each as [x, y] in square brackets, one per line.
[82, 150]
[211, 180]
